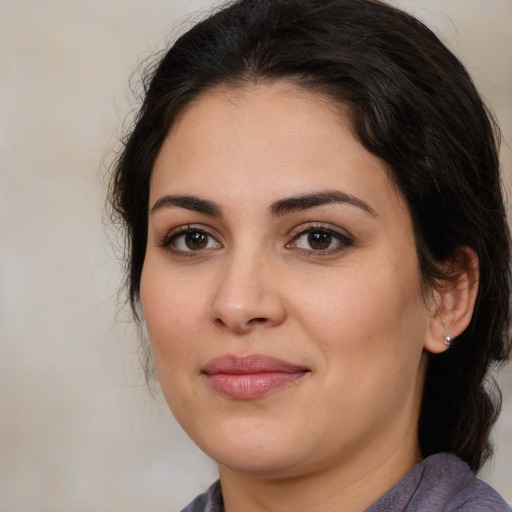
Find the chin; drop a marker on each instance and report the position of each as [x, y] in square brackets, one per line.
[251, 448]
[254, 461]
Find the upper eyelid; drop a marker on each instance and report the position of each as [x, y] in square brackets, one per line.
[183, 230]
[326, 226]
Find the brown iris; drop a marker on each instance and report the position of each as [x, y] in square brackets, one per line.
[319, 240]
[196, 241]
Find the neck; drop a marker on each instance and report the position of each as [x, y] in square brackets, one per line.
[351, 486]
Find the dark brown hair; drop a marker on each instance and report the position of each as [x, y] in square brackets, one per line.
[413, 105]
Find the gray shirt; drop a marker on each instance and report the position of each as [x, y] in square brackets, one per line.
[441, 483]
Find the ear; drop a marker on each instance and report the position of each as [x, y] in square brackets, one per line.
[453, 301]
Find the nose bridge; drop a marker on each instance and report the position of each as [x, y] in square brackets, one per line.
[247, 294]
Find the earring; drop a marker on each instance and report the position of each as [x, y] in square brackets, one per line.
[447, 341]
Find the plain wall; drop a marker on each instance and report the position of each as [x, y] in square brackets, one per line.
[79, 431]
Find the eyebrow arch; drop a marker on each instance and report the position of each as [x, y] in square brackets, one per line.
[303, 202]
[189, 203]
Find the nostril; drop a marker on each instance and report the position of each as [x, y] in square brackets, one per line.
[253, 321]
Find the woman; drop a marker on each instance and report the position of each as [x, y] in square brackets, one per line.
[320, 254]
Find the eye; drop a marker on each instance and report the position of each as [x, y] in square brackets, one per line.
[189, 239]
[320, 240]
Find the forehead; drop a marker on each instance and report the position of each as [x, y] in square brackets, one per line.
[266, 140]
[267, 116]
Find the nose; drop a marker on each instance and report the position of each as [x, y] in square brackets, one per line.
[248, 296]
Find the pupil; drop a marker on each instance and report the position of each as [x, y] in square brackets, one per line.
[196, 241]
[318, 240]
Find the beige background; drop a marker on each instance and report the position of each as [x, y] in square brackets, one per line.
[78, 429]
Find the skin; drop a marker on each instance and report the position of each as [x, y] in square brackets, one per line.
[354, 314]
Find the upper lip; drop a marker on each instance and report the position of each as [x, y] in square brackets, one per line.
[250, 364]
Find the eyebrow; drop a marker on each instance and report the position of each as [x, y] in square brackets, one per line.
[304, 202]
[277, 209]
[189, 203]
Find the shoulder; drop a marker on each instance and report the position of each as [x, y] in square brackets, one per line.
[441, 482]
[209, 501]
[458, 488]
[470, 493]
[482, 498]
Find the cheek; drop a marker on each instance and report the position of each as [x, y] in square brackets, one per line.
[173, 313]
[174, 317]
[369, 315]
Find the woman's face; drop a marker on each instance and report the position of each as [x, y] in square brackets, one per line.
[281, 287]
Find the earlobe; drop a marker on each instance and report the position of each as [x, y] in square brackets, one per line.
[453, 301]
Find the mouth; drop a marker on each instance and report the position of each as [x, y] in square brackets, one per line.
[250, 377]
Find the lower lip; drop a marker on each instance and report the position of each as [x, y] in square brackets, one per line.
[251, 385]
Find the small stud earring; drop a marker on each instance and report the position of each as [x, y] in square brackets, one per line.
[447, 341]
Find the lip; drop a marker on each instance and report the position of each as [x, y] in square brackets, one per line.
[250, 377]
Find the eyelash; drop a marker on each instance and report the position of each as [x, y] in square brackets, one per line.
[170, 239]
[343, 240]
